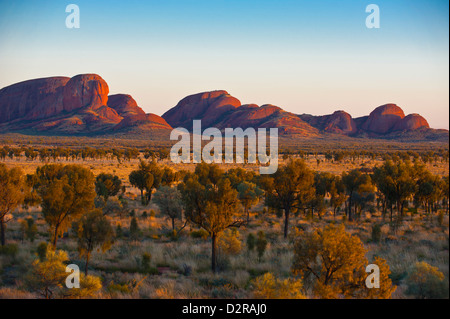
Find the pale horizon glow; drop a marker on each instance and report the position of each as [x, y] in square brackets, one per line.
[306, 57]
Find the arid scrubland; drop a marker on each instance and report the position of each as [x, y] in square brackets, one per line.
[151, 257]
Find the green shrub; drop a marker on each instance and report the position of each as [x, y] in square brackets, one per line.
[42, 251]
[376, 233]
[251, 242]
[145, 262]
[426, 282]
[10, 250]
[201, 233]
[261, 244]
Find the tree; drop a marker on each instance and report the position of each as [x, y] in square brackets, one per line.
[396, 181]
[135, 232]
[426, 282]
[337, 262]
[150, 176]
[169, 202]
[210, 203]
[337, 194]
[67, 192]
[290, 188]
[249, 195]
[93, 230]
[29, 229]
[355, 182]
[270, 287]
[47, 277]
[251, 242]
[143, 181]
[12, 193]
[107, 185]
[261, 244]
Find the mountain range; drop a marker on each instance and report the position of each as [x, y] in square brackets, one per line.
[81, 105]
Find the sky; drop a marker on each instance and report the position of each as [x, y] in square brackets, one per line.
[305, 56]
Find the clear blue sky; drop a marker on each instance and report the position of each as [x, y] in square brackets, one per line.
[305, 56]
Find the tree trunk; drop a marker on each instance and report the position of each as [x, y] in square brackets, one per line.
[55, 237]
[286, 222]
[87, 264]
[213, 253]
[142, 197]
[350, 207]
[2, 231]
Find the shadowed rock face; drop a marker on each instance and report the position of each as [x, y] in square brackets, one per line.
[221, 110]
[339, 122]
[33, 99]
[71, 105]
[85, 91]
[81, 105]
[207, 106]
[125, 105]
[411, 122]
[383, 119]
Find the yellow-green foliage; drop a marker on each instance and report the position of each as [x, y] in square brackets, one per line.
[229, 242]
[426, 281]
[268, 286]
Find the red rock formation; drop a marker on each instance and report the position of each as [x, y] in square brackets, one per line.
[339, 122]
[383, 119]
[143, 122]
[33, 99]
[125, 105]
[81, 105]
[85, 91]
[207, 106]
[411, 122]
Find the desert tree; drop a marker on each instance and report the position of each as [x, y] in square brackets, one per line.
[134, 231]
[144, 182]
[107, 185]
[355, 182]
[396, 180]
[428, 192]
[239, 175]
[47, 277]
[67, 193]
[337, 263]
[249, 195]
[426, 282]
[150, 176]
[337, 194]
[268, 286]
[92, 230]
[289, 189]
[211, 204]
[13, 190]
[168, 199]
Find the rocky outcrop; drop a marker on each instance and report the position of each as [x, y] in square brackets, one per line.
[339, 122]
[411, 122]
[125, 105]
[267, 116]
[33, 99]
[81, 105]
[85, 91]
[77, 105]
[383, 119]
[207, 106]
